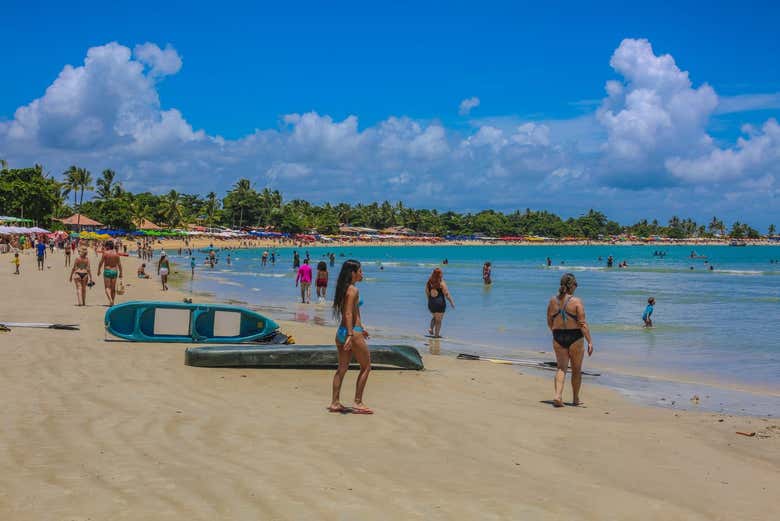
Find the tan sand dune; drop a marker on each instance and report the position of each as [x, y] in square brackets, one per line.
[113, 430]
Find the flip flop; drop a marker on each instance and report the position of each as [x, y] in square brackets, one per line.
[341, 409]
[557, 403]
[362, 410]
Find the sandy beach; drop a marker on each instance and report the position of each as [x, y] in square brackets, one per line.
[114, 430]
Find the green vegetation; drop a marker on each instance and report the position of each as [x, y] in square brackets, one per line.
[32, 193]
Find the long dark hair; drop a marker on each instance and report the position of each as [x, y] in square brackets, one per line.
[345, 279]
[434, 282]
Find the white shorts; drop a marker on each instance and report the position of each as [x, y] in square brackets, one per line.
[163, 272]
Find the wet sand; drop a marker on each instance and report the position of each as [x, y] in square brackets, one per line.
[114, 430]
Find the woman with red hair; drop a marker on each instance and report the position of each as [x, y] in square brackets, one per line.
[436, 291]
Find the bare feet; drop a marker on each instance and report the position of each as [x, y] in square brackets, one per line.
[557, 402]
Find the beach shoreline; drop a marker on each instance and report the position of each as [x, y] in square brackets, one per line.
[108, 430]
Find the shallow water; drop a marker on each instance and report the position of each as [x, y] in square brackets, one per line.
[716, 326]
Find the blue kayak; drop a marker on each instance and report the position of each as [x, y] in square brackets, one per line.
[148, 321]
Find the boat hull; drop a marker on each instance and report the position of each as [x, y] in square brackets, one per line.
[147, 321]
[311, 357]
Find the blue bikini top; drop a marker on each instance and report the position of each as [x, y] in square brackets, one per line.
[562, 311]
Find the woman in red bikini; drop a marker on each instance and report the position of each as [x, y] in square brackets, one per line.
[322, 280]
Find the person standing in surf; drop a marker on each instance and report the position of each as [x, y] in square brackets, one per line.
[351, 337]
[647, 316]
[487, 272]
[436, 291]
[112, 268]
[322, 280]
[304, 278]
[566, 320]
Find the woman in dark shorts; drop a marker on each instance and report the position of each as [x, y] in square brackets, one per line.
[566, 320]
[436, 291]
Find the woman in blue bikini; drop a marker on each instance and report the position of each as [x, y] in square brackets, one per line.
[566, 320]
[350, 337]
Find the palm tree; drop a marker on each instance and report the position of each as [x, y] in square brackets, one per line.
[105, 184]
[77, 180]
[771, 230]
[243, 191]
[71, 183]
[3, 164]
[212, 205]
[172, 209]
[138, 212]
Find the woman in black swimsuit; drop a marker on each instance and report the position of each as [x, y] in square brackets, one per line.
[566, 320]
[436, 291]
[83, 276]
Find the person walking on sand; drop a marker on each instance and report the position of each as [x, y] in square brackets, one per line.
[322, 280]
[304, 278]
[192, 267]
[40, 254]
[436, 291]
[566, 320]
[16, 261]
[163, 268]
[67, 255]
[647, 316]
[83, 273]
[296, 260]
[351, 337]
[112, 267]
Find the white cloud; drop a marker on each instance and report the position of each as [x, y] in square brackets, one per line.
[760, 150]
[748, 102]
[467, 105]
[163, 62]
[655, 111]
[651, 126]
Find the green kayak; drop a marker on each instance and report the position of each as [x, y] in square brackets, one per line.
[296, 356]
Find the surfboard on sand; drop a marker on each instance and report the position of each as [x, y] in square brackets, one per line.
[539, 364]
[149, 321]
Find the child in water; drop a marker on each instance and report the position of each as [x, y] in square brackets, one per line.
[648, 314]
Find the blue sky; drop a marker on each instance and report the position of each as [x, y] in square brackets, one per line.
[356, 102]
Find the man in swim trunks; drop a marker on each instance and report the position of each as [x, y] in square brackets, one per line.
[304, 278]
[111, 267]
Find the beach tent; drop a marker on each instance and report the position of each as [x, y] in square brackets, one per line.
[76, 220]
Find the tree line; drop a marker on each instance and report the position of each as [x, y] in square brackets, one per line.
[34, 194]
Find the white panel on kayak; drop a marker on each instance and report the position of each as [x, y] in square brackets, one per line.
[172, 322]
[227, 323]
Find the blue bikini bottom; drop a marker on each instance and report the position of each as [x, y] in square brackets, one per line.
[341, 334]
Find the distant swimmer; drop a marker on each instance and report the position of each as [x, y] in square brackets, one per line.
[549, 261]
[264, 258]
[487, 271]
[445, 261]
[610, 261]
[647, 316]
[228, 259]
[712, 268]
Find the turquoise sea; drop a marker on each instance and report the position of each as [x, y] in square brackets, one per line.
[717, 331]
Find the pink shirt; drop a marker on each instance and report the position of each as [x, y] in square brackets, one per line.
[304, 274]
